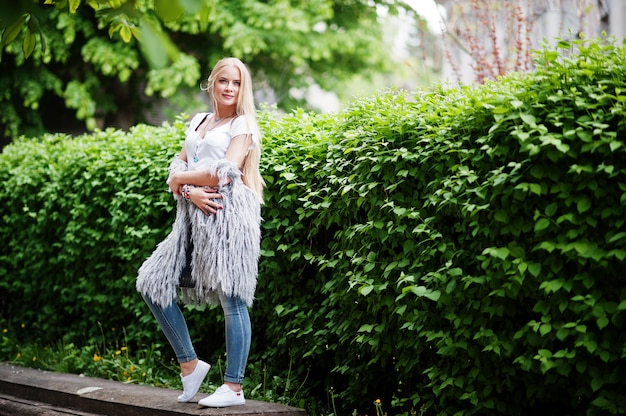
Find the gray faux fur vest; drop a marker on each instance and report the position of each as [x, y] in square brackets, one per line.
[225, 246]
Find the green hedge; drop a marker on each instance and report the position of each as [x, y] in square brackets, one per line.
[77, 215]
[458, 251]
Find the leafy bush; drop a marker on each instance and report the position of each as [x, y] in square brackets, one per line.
[452, 252]
[77, 214]
[462, 249]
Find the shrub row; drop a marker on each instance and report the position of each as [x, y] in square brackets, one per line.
[454, 252]
[460, 250]
[77, 215]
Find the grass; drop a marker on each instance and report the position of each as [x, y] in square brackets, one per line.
[112, 358]
[116, 361]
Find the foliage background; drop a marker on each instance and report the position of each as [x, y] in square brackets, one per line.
[68, 65]
[458, 251]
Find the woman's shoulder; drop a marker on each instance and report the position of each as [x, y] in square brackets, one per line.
[197, 118]
[202, 114]
[241, 125]
[239, 118]
[241, 122]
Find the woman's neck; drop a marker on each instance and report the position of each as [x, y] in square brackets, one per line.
[225, 112]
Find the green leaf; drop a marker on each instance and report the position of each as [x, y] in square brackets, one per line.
[29, 42]
[544, 353]
[544, 329]
[10, 33]
[564, 44]
[616, 145]
[422, 291]
[498, 252]
[191, 6]
[551, 209]
[126, 33]
[168, 9]
[366, 290]
[547, 246]
[542, 224]
[562, 333]
[584, 135]
[597, 383]
[583, 205]
[602, 402]
[534, 269]
[582, 247]
[535, 188]
[528, 119]
[155, 46]
[451, 286]
[74, 5]
[366, 328]
[501, 216]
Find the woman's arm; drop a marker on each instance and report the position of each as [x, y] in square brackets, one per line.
[237, 151]
[183, 154]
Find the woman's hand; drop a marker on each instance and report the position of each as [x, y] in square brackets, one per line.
[205, 199]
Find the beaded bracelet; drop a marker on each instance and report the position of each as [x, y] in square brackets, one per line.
[186, 191]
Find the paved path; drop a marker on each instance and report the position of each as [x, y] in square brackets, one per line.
[30, 392]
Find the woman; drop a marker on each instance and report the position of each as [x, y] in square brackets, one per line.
[216, 182]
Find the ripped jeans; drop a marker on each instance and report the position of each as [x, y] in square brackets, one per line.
[238, 334]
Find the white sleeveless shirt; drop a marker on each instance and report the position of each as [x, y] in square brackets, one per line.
[202, 151]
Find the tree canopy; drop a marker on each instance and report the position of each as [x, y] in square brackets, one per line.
[68, 64]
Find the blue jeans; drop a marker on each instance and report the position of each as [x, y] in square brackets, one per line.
[238, 334]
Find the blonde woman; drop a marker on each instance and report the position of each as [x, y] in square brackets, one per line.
[216, 235]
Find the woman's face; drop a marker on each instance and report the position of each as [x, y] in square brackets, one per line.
[226, 89]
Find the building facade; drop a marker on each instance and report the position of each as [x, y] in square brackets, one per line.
[483, 39]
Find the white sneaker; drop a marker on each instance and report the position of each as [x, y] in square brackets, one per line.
[223, 397]
[193, 381]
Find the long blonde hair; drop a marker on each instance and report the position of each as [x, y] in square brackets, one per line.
[245, 107]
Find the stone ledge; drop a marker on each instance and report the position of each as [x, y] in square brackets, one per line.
[13, 406]
[20, 386]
